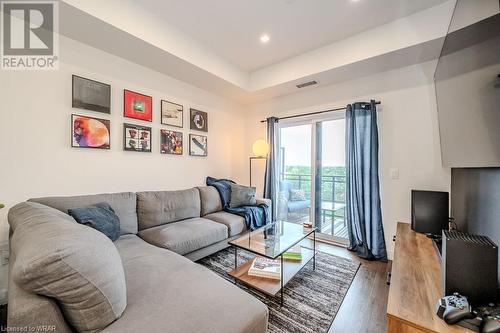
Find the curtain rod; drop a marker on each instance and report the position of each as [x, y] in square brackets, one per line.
[312, 113]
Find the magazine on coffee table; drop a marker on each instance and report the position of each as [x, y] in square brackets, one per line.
[266, 268]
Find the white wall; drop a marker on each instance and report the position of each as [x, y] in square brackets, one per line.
[408, 129]
[35, 154]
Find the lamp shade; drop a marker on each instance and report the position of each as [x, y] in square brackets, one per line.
[260, 148]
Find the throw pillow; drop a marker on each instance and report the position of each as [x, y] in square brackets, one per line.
[242, 196]
[100, 217]
[297, 195]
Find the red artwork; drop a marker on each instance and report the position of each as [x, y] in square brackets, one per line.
[137, 106]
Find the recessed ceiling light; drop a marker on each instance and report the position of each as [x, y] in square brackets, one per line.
[265, 38]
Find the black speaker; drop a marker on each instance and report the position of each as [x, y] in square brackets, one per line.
[429, 211]
[470, 267]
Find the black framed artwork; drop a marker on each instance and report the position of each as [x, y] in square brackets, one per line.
[89, 132]
[198, 145]
[198, 120]
[90, 95]
[136, 138]
[171, 142]
[172, 114]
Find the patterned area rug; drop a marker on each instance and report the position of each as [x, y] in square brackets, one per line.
[312, 298]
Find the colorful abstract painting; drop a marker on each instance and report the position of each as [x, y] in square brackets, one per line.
[136, 138]
[137, 106]
[88, 132]
[197, 145]
[171, 142]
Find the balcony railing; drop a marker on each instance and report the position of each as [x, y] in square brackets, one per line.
[332, 198]
[332, 187]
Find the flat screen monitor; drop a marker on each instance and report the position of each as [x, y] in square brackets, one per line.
[429, 211]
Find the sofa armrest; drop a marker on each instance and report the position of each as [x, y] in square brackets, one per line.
[266, 202]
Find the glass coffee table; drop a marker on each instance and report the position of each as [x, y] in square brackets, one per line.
[272, 241]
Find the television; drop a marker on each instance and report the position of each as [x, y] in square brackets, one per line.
[429, 211]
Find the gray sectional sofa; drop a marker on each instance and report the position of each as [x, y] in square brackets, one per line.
[70, 277]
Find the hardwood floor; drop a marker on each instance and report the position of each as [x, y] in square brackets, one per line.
[365, 305]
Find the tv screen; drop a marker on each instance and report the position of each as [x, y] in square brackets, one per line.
[429, 211]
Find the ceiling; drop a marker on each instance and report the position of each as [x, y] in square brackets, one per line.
[231, 28]
[214, 44]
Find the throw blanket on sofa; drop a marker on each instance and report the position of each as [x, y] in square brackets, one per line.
[255, 216]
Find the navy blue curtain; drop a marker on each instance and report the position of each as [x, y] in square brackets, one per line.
[364, 216]
[271, 177]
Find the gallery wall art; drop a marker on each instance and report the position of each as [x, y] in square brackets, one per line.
[91, 95]
[137, 106]
[137, 138]
[171, 142]
[88, 132]
[172, 114]
[198, 145]
[198, 120]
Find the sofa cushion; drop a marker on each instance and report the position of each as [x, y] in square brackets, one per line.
[185, 236]
[235, 223]
[76, 265]
[169, 293]
[210, 200]
[294, 206]
[161, 207]
[124, 205]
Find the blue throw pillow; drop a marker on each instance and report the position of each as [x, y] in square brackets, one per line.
[100, 217]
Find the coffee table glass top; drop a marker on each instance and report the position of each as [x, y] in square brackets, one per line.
[274, 239]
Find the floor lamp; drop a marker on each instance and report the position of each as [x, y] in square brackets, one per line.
[260, 149]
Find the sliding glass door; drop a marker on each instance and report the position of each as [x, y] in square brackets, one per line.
[295, 165]
[312, 174]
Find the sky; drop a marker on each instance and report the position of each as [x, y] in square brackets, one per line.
[297, 143]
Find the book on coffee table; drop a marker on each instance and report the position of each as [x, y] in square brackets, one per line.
[294, 253]
[265, 268]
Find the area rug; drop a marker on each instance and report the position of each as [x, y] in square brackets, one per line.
[312, 297]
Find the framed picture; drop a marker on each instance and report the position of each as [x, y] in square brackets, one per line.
[199, 120]
[197, 145]
[88, 132]
[137, 106]
[172, 114]
[91, 95]
[171, 142]
[136, 138]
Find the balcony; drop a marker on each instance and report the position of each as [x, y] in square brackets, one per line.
[330, 215]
